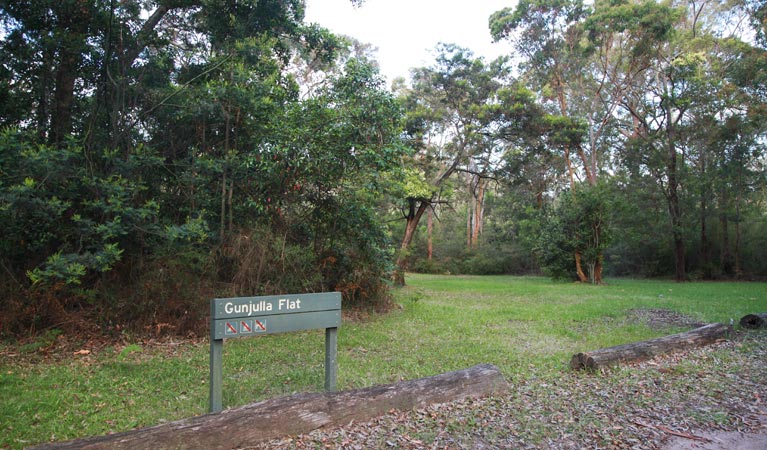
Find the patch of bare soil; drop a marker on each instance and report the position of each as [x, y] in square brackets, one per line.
[714, 396]
[663, 318]
[720, 441]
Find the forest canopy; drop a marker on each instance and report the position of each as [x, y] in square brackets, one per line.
[155, 154]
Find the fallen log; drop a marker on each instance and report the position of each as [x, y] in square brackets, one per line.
[637, 351]
[754, 321]
[259, 422]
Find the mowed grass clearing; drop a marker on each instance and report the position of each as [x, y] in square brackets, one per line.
[527, 326]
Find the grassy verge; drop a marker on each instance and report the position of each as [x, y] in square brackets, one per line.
[528, 327]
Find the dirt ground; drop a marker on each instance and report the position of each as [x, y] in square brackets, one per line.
[711, 398]
[721, 440]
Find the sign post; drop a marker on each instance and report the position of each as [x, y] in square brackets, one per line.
[252, 316]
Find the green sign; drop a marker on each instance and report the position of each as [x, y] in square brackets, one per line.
[253, 316]
[250, 316]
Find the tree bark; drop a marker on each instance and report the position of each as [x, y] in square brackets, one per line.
[469, 217]
[725, 256]
[429, 232]
[675, 211]
[598, 269]
[672, 195]
[638, 351]
[738, 267]
[416, 208]
[705, 253]
[579, 268]
[259, 422]
[71, 29]
[591, 175]
[222, 219]
[143, 36]
[754, 321]
[478, 212]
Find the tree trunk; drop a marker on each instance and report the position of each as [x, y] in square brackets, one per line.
[42, 113]
[63, 97]
[579, 268]
[229, 205]
[143, 36]
[411, 225]
[429, 232]
[469, 217]
[570, 171]
[679, 257]
[478, 212]
[591, 175]
[725, 256]
[675, 211]
[754, 321]
[222, 219]
[738, 267]
[559, 84]
[705, 252]
[638, 351]
[672, 196]
[414, 217]
[70, 31]
[270, 419]
[598, 269]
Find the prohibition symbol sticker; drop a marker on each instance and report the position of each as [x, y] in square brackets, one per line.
[260, 326]
[246, 326]
[231, 328]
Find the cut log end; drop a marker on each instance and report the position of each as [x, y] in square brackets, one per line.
[754, 321]
[639, 351]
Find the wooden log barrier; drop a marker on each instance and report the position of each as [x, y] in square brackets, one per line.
[269, 419]
[638, 351]
[754, 321]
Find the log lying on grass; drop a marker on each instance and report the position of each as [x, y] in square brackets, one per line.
[754, 321]
[638, 351]
[259, 422]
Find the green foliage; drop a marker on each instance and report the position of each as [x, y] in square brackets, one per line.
[564, 131]
[63, 221]
[146, 147]
[643, 24]
[142, 156]
[415, 185]
[579, 223]
[194, 230]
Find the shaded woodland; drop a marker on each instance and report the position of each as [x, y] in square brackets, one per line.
[155, 154]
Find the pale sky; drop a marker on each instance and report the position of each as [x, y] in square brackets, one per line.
[406, 31]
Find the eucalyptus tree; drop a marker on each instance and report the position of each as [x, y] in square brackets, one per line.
[641, 76]
[758, 11]
[559, 63]
[453, 111]
[545, 34]
[684, 98]
[727, 127]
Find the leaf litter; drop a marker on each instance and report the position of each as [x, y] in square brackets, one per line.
[686, 395]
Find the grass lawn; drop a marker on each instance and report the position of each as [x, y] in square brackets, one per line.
[527, 326]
